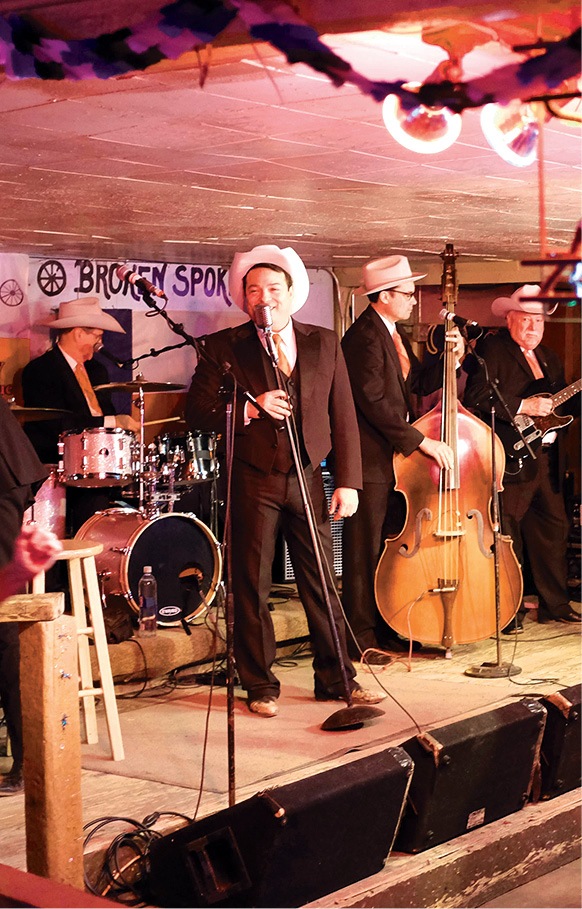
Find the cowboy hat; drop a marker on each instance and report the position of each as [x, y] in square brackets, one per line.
[502, 305]
[382, 274]
[287, 259]
[83, 313]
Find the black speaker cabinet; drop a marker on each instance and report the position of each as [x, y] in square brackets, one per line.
[560, 756]
[470, 773]
[288, 845]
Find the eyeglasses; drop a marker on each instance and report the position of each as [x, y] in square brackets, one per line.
[403, 293]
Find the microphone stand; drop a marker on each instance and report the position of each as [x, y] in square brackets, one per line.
[225, 369]
[497, 670]
[349, 717]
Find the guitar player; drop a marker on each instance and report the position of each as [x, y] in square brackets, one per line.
[532, 502]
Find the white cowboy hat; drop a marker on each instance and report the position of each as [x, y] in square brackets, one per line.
[382, 274]
[502, 305]
[83, 313]
[286, 259]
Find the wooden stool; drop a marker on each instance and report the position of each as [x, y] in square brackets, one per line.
[80, 558]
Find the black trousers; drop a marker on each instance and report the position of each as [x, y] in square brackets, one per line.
[12, 507]
[381, 512]
[533, 514]
[261, 507]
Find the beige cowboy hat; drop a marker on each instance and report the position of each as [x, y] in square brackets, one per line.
[83, 313]
[382, 274]
[286, 259]
[502, 305]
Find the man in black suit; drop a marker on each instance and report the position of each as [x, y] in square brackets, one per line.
[532, 502]
[63, 378]
[384, 372]
[265, 487]
[21, 474]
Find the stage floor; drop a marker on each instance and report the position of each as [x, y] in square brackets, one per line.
[175, 734]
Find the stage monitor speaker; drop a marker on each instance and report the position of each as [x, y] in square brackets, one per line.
[283, 569]
[560, 753]
[470, 773]
[288, 845]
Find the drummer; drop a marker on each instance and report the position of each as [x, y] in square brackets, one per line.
[64, 378]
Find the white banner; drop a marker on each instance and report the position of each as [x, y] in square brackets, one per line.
[14, 316]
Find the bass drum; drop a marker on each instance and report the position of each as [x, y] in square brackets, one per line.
[184, 555]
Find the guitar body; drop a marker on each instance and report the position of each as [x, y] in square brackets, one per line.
[534, 428]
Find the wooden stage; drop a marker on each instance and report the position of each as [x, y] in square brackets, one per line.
[171, 737]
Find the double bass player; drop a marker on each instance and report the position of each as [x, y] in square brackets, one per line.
[384, 373]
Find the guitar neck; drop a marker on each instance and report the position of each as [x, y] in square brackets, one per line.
[566, 393]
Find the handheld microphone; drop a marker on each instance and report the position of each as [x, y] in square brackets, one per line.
[105, 353]
[469, 327]
[124, 272]
[264, 321]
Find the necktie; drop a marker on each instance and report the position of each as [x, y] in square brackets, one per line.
[402, 355]
[87, 389]
[534, 364]
[283, 361]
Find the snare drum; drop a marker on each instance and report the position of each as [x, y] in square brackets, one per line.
[98, 457]
[192, 456]
[49, 508]
[183, 552]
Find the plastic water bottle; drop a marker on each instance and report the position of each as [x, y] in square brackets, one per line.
[148, 604]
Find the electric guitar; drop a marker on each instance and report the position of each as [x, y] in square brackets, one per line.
[534, 428]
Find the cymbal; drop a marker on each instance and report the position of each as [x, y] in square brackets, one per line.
[134, 385]
[24, 414]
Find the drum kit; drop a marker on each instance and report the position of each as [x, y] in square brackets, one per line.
[184, 553]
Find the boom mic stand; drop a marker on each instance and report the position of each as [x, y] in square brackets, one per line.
[497, 670]
[349, 717]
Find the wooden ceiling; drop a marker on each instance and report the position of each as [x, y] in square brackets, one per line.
[151, 166]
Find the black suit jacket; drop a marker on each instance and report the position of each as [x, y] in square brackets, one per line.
[19, 464]
[381, 395]
[327, 412]
[507, 364]
[49, 381]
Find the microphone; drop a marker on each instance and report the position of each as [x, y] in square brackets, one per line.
[105, 353]
[124, 272]
[469, 327]
[264, 321]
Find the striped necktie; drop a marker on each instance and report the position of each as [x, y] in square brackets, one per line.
[87, 389]
[402, 355]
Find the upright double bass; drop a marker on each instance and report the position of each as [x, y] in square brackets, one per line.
[435, 581]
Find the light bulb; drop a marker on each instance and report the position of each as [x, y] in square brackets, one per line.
[426, 130]
[512, 131]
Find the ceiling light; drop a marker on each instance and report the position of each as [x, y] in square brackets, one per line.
[512, 130]
[422, 129]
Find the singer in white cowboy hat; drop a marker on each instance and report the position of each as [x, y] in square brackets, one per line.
[384, 373]
[532, 502]
[265, 490]
[64, 378]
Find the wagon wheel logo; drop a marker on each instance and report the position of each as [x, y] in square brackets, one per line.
[51, 278]
[11, 293]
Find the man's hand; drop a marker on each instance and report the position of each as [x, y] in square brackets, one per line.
[125, 421]
[344, 503]
[454, 334]
[536, 407]
[275, 403]
[35, 550]
[441, 452]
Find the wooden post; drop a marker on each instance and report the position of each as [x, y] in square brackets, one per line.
[51, 733]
